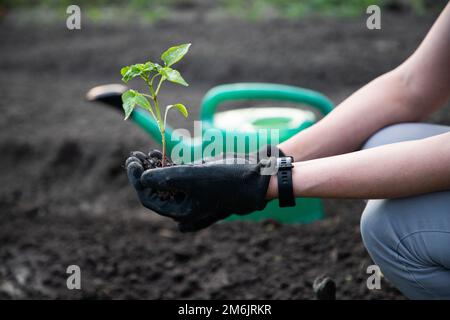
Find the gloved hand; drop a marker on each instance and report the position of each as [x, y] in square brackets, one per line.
[197, 196]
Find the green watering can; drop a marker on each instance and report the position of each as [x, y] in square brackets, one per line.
[305, 108]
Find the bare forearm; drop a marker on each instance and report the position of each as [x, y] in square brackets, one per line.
[390, 171]
[382, 102]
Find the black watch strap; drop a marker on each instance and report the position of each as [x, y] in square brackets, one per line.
[285, 187]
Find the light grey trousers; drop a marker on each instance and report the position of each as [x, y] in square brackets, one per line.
[409, 238]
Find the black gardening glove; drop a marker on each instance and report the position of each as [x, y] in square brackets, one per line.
[197, 196]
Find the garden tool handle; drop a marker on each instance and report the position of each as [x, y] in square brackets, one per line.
[261, 91]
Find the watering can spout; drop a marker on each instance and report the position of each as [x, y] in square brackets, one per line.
[109, 94]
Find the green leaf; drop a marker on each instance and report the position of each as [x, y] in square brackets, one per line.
[180, 108]
[174, 54]
[131, 99]
[128, 103]
[173, 76]
[135, 70]
[157, 67]
[124, 70]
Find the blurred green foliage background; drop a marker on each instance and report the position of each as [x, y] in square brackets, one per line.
[151, 10]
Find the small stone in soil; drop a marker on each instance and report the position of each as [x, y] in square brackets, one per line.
[324, 288]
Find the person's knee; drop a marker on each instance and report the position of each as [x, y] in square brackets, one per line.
[389, 229]
[403, 132]
[381, 137]
[381, 237]
[376, 229]
[390, 134]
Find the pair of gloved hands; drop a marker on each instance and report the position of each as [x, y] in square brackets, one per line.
[201, 194]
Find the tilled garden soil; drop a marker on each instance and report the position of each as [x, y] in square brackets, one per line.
[64, 197]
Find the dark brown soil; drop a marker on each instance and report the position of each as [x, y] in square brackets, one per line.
[64, 196]
[152, 160]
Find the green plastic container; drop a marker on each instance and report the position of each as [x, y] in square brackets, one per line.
[288, 122]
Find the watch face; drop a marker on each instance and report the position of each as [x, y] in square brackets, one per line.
[284, 162]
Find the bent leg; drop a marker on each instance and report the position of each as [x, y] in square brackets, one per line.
[409, 238]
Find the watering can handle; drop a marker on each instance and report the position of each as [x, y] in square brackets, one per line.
[261, 91]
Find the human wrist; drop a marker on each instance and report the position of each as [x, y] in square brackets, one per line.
[272, 190]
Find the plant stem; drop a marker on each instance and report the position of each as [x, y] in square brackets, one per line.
[151, 108]
[163, 141]
[151, 81]
[159, 121]
[159, 86]
[161, 129]
[165, 116]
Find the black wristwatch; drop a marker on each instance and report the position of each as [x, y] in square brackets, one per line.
[285, 187]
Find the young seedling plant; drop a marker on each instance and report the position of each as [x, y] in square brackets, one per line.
[152, 73]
